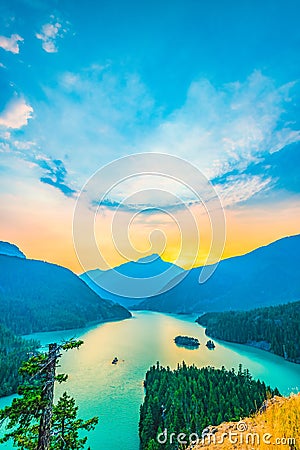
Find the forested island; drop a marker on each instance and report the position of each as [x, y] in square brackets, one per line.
[210, 344]
[188, 399]
[186, 341]
[275, 328]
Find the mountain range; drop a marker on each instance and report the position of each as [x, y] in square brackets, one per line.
[131, 282]
[38, 296]
[269, 275]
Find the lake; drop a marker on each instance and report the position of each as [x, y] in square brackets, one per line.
[115, 392]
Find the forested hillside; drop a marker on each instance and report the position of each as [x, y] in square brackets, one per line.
[38, 296]
[275, 329]
[188, 399]
[126, 283]
[13, 351]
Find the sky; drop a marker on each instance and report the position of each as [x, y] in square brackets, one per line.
[83, 84]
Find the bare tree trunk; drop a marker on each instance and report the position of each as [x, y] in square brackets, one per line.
[62, 435]
[47, 399]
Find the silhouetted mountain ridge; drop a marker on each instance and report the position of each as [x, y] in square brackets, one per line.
[133, 280]
[8, 249]
[266, 276]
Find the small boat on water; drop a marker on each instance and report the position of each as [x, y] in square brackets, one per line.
[115, 360]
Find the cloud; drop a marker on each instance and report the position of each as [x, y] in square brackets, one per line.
[97, 113]
[54, 172]
[240, 188]
[282, 167]
[146, 208]
[49, 34]
[228, 127]
[56, 175]
[11, 44]
[16, 114]
[224, 131]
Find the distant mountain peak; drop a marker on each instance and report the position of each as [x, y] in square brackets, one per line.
[132, 280]
[8, 249]
[266, 276]
[149, 258]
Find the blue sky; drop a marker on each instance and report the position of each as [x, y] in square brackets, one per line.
[169, 43]
[83, 83]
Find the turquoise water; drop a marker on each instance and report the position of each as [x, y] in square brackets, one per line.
[114, 393]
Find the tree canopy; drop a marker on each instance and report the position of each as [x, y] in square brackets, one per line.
[275, 328]
[33, 421]
[188, 399]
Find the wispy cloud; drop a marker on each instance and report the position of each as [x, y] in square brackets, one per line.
[49, 170]
[224, 131]
[143, 208]
[16, 114]
[240, 188]
[49, 34]
[56, 174]
[11, 44]
[96, 112]
[228, 127]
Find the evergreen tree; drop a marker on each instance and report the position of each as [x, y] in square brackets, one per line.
[66, 425]
[193, 399]
[13, 351]
[32, 421]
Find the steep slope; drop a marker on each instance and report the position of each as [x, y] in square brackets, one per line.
[8, 249]
[267, 276]
[38, 296]
[125, 284]
[276, 426]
